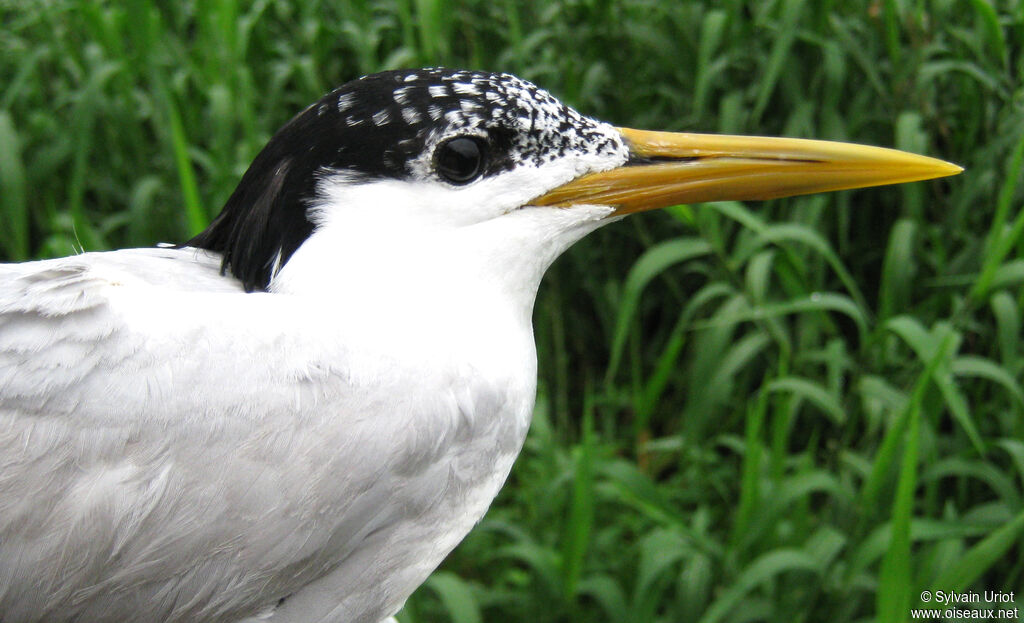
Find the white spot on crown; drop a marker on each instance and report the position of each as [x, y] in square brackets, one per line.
[410, 115]
[345, 101]
[402, 95]
[463, 88]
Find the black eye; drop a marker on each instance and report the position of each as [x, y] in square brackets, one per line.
[460, 160]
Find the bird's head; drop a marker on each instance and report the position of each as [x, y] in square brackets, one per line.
[405, 169]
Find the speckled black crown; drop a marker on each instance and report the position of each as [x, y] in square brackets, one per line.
[385, 125]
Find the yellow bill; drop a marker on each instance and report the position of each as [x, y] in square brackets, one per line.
[669, 168]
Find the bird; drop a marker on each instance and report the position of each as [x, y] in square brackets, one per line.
[295, 415]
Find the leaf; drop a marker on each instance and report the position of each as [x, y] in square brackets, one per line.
[541, 560]
[13, 198]
[777, 59]
[197, 217]
[761, 570]
[604, 590]
[818, 301]
[894, 579]
[1015, 448]
[651, 264]
[1008, 275]
[981, 556]
[876, 544]
[712, 30]
[660, 551]
[456, 596]
[1008, 324]
[898, 269]
[813, 393]
[791, 232]
[891, 443]
[924, 343]
[1000, 484]
[799, 486]
[1002, 240]
[759, 274]
[980, 367]
[580, 522]
[993, 30]
[637, 490]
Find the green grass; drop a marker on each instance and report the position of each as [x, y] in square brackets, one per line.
[801, 410]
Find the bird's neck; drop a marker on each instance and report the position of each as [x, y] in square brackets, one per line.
[493, 267]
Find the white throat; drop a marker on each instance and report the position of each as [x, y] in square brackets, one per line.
[382, 257]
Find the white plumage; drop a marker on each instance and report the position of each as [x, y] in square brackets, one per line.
[297, 417]
[175, 445]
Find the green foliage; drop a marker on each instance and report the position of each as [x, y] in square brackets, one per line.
[802, 410]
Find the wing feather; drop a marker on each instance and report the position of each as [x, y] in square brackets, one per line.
[57, 327]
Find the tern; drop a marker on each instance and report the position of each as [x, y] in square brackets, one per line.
[297, 414]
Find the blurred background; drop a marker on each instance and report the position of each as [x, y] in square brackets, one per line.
[802, 410]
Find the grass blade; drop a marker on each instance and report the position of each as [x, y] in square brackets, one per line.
[13, 200]
[651, 264]
[980, 558]
[456, 596]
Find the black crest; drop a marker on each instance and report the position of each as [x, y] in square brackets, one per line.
[382, 126]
